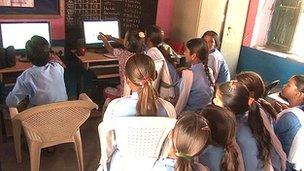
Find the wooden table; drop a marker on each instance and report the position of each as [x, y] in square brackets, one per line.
[18, 68]
[102, 66]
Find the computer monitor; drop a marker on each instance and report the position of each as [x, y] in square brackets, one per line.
[17, 34]
[91, 30]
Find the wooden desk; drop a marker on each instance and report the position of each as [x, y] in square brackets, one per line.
[91, 59]
[19, 67]
[103, 67]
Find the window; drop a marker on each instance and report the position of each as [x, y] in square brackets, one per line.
[283, 24]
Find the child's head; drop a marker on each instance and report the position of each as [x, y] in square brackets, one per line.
[154, 35]
[293, 91]
[37, 50]
[197, 51]
[253, 82]
[256, 88]
[140, 73]
[133, 41]
[189, 138]
[212, 39]
[223, 131]
[235, 96]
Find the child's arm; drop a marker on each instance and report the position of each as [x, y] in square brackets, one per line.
[106, 43]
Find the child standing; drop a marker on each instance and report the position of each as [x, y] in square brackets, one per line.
[189, 138]
[43, 83]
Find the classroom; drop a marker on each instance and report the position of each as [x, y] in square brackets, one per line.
[160, 85]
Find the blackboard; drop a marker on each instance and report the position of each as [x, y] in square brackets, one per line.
[131, 14]
[41, 7]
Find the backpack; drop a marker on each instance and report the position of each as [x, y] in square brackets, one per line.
[7, 57]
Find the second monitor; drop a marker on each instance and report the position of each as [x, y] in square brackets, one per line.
[91, 30]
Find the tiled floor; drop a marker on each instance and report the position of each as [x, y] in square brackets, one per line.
[64, 157]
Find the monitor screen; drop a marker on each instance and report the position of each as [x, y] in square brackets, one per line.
[91, 30]
[17, 34]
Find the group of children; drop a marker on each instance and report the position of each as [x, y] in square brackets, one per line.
[222, 124]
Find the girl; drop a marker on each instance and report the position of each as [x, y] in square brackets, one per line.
[289, 125]
[196, 84]
[216, 60]
[255, 138]
[144, 101]
[189, 138]
[168, 75]
[133, 44]
[256, 87]
[222, 152]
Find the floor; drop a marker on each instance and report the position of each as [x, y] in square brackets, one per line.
[64, 157]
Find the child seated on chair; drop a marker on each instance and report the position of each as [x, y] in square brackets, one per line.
[43, 83]
[189, 138]
[289, 125]
[144, 100]
[133, 43]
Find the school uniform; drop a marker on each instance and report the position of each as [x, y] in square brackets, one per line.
[164, 75]
[249, 149]
[288, 127]
[167, 164]
[42, 84]
[126, 106]
[211, 157]
[201, 92]
[217, 63]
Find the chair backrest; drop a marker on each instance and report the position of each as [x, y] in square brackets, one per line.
[56, 121]
[136, 137]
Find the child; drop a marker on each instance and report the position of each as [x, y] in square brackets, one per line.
[189, 138]
[223, 152]
[254, 136]
[144, 101]
[168, 75]
[43, 83]
[216, 60]
[289, 125]
[132, 43]
[196, 85]
[256, 87]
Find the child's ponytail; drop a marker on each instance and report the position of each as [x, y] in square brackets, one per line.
[260, 133]
[146, 105]
[230, 158]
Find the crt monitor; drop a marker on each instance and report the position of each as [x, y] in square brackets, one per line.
[17, 34]
[91, 30]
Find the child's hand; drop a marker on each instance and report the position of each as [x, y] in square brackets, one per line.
[103, 37]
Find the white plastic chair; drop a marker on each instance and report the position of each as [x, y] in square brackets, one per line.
[138, 139]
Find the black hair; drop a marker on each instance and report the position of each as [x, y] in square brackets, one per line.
[37, 50]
